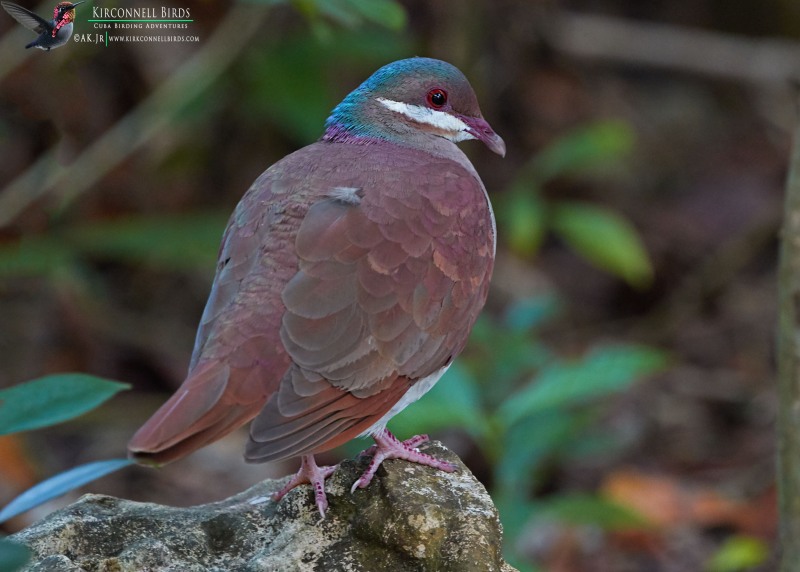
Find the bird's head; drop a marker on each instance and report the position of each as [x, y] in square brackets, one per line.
[413, 99]
[65, 12]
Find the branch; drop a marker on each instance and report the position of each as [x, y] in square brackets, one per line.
[729, 56]
[789, 366]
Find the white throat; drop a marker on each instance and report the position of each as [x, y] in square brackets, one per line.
[451, 127]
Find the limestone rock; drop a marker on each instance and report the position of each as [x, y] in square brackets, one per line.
[410, 518]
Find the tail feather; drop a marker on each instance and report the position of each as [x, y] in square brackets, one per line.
[210, 404]
[332, 417]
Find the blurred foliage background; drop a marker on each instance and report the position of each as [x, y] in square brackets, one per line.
[616, 396]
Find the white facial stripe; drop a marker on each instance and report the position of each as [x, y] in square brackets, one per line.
[453, 128]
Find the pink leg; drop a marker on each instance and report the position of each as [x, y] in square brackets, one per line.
[387, 446]
[309, 473]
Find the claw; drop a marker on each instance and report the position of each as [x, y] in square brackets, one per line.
[314, 475]
[387, 446]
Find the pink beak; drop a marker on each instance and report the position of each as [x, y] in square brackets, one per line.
[482, 131]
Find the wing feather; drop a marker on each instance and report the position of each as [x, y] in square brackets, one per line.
[417, 266]
[27, 18]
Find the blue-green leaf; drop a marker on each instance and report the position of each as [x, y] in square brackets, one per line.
[52, 399]
[515, 512]
[60, 484]
[562, 384]
[605, 239]
[527, 444]
[527, 314]
[499, 357]
[453, 402]
[13, 556]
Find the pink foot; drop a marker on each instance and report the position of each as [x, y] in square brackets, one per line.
[387, 446]
[309, 473]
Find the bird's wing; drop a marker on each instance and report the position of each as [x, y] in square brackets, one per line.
[26, 17]
[238, 359]
[391, 277]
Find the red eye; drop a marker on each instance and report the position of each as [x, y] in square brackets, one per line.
[437, 97]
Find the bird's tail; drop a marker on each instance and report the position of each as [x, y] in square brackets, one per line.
[213, 401]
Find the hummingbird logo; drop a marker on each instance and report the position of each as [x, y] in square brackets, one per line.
[53, 33]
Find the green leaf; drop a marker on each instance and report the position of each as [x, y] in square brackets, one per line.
[291, 85]
[182, 242]
[13, 556]
[186, 242]
[605, 239]
[351, 13]
[386, 13]
[598, 145]
[52, 399]
[299, 103]
[521, 212]
[563, 384]
[593, 510]
[587, 444]
[34, 256]
[60, 484]
[739, 553]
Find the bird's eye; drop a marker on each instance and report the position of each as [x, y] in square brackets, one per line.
[437, 97]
